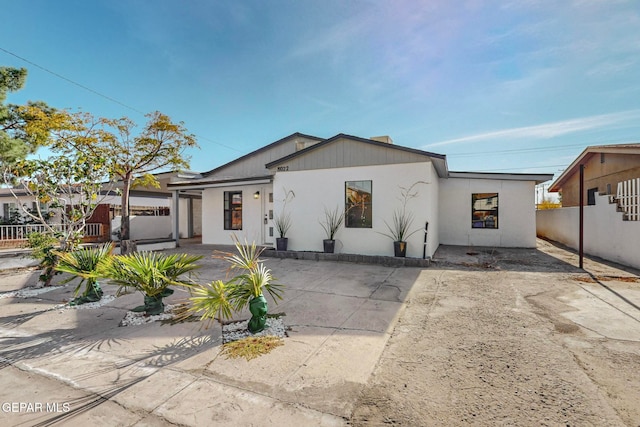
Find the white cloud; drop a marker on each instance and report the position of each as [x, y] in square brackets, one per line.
[549, 130]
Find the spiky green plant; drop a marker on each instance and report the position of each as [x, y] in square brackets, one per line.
[219, 299]
[151, 273]
[85, 263]
[332, 221]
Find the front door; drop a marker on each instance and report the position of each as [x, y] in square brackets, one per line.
[268, 232]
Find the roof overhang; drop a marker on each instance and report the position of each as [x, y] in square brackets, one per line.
[538, 178]
[201, 184]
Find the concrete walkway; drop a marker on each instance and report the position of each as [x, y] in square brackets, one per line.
[78, 367]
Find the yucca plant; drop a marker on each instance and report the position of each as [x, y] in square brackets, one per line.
[87, 264]
[151, 273]
[247, 288]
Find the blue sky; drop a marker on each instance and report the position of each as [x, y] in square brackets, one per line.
[506, 86]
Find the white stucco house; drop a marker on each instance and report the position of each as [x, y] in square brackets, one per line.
[302, 175]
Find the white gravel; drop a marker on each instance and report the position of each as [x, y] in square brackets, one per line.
[134, 318]
[237, 330]
[28, 292]
[106, 299]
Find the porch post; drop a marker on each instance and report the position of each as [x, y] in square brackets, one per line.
[175, 206]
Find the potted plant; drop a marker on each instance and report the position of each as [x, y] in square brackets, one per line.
[331, 224]
[151, 274]
[87, 264]
[283, 224]
[220, 299]
[283, 221]
[399, 230]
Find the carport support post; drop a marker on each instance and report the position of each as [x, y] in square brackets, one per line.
[176, 217]
[581, 232]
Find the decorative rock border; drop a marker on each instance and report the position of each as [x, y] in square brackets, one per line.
[360, 259]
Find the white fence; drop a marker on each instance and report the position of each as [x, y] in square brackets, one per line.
[20, 232]
[628, 196]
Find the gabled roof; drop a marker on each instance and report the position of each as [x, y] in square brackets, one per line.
[260, 150]
[633, 148]
[439, 160]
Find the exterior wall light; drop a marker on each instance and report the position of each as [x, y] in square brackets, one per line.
[256, 195]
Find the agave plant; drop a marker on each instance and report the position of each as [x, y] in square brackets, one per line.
[219, 299]
[85, 263]
[151, 273]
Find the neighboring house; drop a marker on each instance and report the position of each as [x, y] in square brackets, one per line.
[604, 167]
[611, 200]
[150, 209]
[302, 175]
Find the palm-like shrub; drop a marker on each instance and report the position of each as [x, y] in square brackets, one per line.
[151, 273]
[85, 263]
[219, 299]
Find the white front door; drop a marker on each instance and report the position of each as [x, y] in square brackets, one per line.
[268, 233]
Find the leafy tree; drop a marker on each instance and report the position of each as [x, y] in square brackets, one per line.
[133, 158]
[69, 182]
[23, 128]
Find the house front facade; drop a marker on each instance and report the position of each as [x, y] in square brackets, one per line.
[371, 181]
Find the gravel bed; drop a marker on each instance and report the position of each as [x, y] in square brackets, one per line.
[134, 318]
[235, 331]
[86, 306]
[28, 292]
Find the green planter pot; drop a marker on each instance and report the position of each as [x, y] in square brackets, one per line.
[153, 305]
[258, 308]
[93, 294]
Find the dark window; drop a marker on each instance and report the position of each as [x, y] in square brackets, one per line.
[233, 210]
[601, 157]
[591, 196]
[358, 204]
[484, 210]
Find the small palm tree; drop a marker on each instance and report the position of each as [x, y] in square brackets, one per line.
[87, 264]
[152, 274]
[219, 299]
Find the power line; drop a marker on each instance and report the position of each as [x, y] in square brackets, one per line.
[95, 92]
[519, 150]
[523, 167]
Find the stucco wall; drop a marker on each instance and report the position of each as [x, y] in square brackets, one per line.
[606, 235]
[213, 231]
[316, 189]
[145, 227]
[516, 213]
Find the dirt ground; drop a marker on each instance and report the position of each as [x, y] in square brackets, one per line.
[532, 341]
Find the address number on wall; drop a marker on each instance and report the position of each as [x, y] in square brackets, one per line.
[283, 168]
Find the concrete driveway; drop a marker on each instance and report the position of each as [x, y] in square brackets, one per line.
[78, 367]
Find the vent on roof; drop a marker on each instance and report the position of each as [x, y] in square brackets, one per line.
[301, 145]
[385, 138]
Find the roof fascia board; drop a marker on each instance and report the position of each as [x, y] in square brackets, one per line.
[354, 138]
[219, 184]
[537, 177]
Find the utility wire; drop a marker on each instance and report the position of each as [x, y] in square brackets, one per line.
[95, 92]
